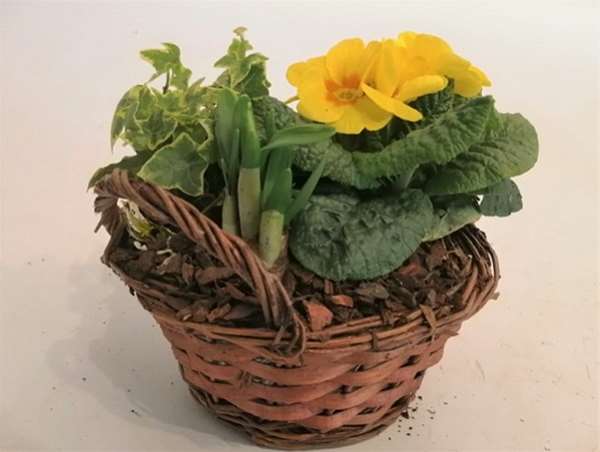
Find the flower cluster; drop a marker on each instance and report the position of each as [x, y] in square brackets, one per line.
[357, 86]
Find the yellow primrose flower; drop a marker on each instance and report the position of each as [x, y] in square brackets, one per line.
[393, 82]
[429, 55]
[330, 88]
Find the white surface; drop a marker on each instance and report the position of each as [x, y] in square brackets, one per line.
[79, 354]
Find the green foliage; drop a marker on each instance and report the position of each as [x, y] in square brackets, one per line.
[302, 134]
[501, 199]
[132, 164]
[228, 137]
[250, 151]
[342, 237]
[452, 213]
[243, 73]
[180, 165]
[449, 135]
[393, 188]
[167, 61]
[509, 149]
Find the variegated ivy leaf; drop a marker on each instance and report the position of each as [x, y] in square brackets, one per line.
[180, 165]
[157, 129]
[128, 102]
[131, 164]
[244, 73]
[167, 61]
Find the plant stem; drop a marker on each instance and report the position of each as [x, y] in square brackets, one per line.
[249, 202]
[271, 236]
[229, 222]
[167, 82]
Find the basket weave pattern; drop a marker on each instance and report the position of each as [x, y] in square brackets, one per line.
[285, 386]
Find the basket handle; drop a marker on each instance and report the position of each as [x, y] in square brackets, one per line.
[162, 207]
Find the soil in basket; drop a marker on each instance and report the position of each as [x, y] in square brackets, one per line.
[197, 287]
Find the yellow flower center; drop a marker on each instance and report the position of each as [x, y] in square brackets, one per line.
[346, 93]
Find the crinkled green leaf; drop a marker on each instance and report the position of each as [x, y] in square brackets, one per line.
[501, 199]
[509, 149]
[341, 237]
[431, 106]
[454, 213]
[130, 163]
[448, 136]
[270, 115]
[178, 165]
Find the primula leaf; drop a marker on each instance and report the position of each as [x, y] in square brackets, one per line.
[501, 199]
[341, 237]
[130, 163]
[449, 135]
[456, 212]
[300, 135]
[177, 165]
[509, 149]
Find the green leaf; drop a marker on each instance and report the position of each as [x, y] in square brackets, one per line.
[300, 135]
[501, 199]
[446, 137]
[431, 106]
[131, 164]
[449, 135]
[456, 212]
[280, 160]
[255, 84]
[167, 60]
[280, 197]
[303, 196]
[341, 237]
[509, 149]
[244, 73]
[157, 129]
[127, 102]
[250, 152]
[224, 123]
[177, 165]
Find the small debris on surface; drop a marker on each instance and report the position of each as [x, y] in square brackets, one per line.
[132, 411]
[83, 378]
[342, 300]
[318, 315]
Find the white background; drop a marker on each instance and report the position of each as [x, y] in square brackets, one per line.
[79, 354]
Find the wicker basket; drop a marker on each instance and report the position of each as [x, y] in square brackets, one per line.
[285, 386]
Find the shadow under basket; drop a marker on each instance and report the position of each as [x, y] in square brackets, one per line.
[288, 387]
